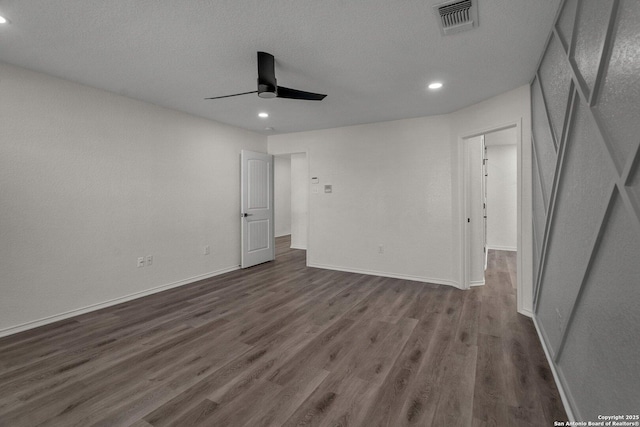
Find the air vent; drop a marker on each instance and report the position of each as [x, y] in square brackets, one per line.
[456, 16]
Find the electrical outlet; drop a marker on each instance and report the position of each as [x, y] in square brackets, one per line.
[380, 249]
[149, 260]
[206, 250]
[141, 262]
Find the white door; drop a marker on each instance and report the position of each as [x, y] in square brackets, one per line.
[474, 199]
[258, 243]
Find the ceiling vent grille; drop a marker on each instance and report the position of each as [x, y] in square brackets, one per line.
[456, 16]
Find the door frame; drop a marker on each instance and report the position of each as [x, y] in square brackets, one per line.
[307, 152]
[462, 203]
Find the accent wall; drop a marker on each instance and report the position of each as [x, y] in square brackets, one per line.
[586, 139]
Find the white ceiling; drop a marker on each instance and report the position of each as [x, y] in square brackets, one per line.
[373, 58]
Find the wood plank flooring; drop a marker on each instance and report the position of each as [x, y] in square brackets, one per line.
[281, 344]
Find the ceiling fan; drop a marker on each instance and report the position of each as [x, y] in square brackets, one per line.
[267, 87]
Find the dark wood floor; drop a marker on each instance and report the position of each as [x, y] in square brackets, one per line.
[283, 344]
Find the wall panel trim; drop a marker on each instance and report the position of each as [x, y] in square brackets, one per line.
[605, 53]
[552, 200]
[565, 396]
[630, 170]
[554, 137]
[595, 244]
[632, 206]
[631, 167]
[566, 47]
[546, 43]
[538, 174]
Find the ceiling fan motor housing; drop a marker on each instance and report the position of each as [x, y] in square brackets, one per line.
[266, 90]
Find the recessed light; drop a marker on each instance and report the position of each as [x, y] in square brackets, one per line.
[3, 20]
[263, 115]
[435, 85]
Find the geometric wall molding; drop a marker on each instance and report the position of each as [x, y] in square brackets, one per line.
[613, 377]
[565, 23]
[590, 31]
[586, 203]
[555, 79]
[547, 229]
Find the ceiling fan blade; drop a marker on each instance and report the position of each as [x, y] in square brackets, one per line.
[285, 92]
[235, 94]
[266, 69]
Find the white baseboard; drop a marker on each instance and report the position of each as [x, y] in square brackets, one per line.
[526, 312]
[564, 395]
[304, 248]
[477, 283]
[93, 307]
[503, 248]
[385, 274]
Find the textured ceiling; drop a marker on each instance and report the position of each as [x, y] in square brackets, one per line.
[372, 58]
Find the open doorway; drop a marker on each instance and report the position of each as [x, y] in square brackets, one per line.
[491, 201]
[282, 195]
[501, 169]
[291, 200]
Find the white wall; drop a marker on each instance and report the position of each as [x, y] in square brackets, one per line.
[502, 137]
[282, 195]
[90, 181]
[299, 200]
[496, 113]
[391, 186]
[396, 184]
[502, 201]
